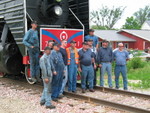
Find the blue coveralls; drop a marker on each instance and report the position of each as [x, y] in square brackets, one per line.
[46, 69]
[31, 39]
[87, 68]
[59, 67]
[72, 73]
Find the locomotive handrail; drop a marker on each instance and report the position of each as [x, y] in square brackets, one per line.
[77, 18]
[4, 34]
[29, 16]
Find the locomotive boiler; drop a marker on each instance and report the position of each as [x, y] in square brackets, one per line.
[15, 20]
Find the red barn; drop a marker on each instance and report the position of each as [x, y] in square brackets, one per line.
[135, 39]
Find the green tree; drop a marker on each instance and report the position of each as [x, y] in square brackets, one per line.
[142, 14]
[131, 23]
[105, 17]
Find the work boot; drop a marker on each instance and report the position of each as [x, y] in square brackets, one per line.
[50, 107]
[55, 99]
[33, 79]
[74, 91]
[61, 96]
[83, 90]
[92, 90]
[42, 103]
[38, 79]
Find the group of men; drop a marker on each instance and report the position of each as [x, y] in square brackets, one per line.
[59, 65]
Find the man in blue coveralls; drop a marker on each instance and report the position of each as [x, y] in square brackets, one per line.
[85, 66]
[59, 67]
[46, 68]
[32, 42]
[121, 56]
[93, 37]
[94, 51]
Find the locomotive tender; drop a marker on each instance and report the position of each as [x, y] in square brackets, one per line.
[15, 20]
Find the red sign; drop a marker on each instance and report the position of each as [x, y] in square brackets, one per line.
[59, 34]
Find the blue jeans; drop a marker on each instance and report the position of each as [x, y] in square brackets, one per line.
[121, 69]
[87, 72]
[106, 67]
[34, 63]
[72, 77]
[46, 95]
[57, 82]
[64, 80]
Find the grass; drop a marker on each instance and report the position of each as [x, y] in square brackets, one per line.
[142, 74]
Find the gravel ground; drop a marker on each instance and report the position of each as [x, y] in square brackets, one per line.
[16, 99]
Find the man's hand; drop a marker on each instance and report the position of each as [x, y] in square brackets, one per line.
[95, 66]
[55, 73]
[80, 70]
[100, 65]
[32, 47]
[46, 80]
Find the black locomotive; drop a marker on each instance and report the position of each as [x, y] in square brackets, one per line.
[15, 20]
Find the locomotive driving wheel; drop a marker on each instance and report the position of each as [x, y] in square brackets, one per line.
[28, 75]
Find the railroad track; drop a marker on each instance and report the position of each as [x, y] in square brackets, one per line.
[125, 92]
[105, 102]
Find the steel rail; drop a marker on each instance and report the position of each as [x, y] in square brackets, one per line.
[125, 92]
[107, 103]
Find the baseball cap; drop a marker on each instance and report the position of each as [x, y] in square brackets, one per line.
[84, 43]
[105, 41]
[56, 44]
[34, 22]
[91, 30]
[51, 41]
[73, 41]
[89, 40]
[47, 48]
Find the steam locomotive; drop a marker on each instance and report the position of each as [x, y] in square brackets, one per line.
[15, 20]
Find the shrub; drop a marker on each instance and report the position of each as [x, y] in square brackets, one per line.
[135, 63]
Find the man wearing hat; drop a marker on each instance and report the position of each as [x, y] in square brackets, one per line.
[50, 44]
[31, 41]
[73, 61]
[85, 66]
[105, 58]
[58, 68]
[93, 37]
[47, 75]
[94, 52]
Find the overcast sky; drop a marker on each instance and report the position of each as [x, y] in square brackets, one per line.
[131, 7]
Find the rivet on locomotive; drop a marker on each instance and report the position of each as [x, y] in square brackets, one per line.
[15, 20]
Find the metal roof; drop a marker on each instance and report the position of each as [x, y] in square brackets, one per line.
[148, 22]
[112, 35]
[144, 34]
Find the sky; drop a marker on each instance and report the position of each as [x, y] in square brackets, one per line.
[131, 7]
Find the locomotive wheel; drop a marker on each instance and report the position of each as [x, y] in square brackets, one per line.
[2, 74]
[28, 75]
